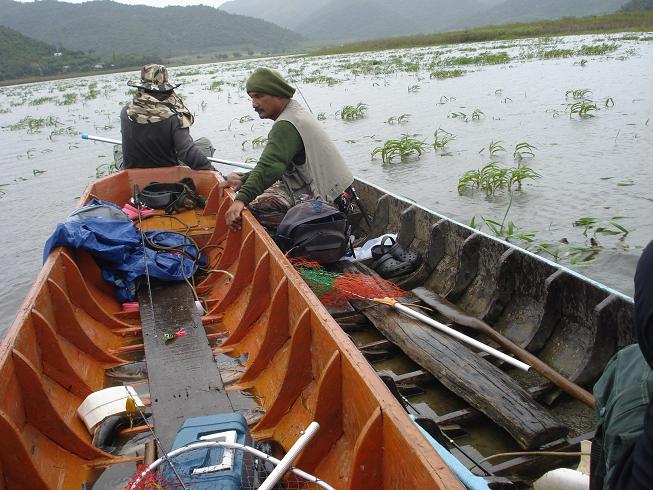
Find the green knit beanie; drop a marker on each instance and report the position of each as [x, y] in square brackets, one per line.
[266, 81]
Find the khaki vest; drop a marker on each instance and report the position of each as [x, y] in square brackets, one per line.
[325, 173]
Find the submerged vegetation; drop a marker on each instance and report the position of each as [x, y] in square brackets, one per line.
[352, 112]
[619, 22]
[401, 149]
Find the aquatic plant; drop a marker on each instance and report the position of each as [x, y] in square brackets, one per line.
[351, 113]
[477, 114]
[441, 139]
[322, 79]
[321, 116]
[582, 108]
[400, 119]
[594, 226]
[105, 169]
[405, 147]
[68, 99]
[608, 102]
[598, 49]
[414, 88]
[216, 85]
[459, 115]
[485, 58]
[41, 100]
[441, 74]
[34, 124]
[492, 178]
[259, 141]
[496, 147]
[578, 94]
[557, 53]
[523, 150]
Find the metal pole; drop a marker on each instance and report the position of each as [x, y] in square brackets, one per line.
[91, 137]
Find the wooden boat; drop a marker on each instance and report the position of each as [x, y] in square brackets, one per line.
[300, 366]
[299, 360]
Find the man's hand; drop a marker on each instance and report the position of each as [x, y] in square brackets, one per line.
[233, 215]
[233, 181]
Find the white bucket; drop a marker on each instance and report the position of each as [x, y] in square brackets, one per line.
[105, 403]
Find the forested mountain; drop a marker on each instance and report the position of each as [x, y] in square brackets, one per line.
[345, 20]
[534, 10]
[285, 13]
[25, 57]
[107, 28]
[638, 5]
[341, 20]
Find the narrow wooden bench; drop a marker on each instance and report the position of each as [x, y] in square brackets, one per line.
[184, 378]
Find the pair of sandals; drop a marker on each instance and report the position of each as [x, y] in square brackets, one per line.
[393, 260]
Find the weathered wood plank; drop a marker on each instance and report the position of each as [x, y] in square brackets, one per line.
[183, 376]
[478, 382]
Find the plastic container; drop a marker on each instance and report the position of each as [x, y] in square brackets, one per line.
[211, 468]
[105, 403]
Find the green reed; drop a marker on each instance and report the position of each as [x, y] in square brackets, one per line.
[578, 94]
[400, 119]
[441, 139]
[352, 113]
[523, 150]
[403, 148]
[441, 74]
[582, 108]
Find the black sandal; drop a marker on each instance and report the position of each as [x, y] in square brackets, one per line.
[379, 251]
[388, 267]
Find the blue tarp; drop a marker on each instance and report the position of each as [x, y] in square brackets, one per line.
[117, 247]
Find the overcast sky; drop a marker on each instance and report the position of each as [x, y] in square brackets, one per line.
[160, 3]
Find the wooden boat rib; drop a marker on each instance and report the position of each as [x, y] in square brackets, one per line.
[300, 364]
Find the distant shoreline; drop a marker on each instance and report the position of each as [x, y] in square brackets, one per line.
[604, 24]
[567, 26]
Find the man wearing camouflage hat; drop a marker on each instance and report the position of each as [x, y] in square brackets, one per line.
[155, 126]
[298, 162]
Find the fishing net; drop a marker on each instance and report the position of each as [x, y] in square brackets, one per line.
[255, 467]
[335, 289]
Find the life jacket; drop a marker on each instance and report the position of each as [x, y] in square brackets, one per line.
[622, 395]
[315, 230]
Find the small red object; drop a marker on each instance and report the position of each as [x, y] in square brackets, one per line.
[132, 211]
[181, 332]
[132, 306]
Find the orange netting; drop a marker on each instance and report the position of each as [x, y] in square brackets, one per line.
[151, 481]
[335, 289]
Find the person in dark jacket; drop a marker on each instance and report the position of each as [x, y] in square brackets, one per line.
[155, 127]
[623, 456]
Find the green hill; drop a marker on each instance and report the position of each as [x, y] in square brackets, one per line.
[637, 5]
[25, 57]
[106, 28]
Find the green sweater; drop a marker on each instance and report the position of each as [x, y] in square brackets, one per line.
[284, 146]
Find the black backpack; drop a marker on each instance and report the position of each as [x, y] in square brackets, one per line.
[170, 196]
[315, 230]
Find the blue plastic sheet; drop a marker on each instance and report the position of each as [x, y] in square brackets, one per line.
[117, 247]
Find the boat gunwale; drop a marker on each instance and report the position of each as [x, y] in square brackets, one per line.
[556, 265]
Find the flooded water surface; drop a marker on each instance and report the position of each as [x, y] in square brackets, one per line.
[583, 105]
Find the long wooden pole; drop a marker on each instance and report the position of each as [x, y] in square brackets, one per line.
[449, 310]
[453, 333]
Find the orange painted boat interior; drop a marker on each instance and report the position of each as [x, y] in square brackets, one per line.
[301, 366]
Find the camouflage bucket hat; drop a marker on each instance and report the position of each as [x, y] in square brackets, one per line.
[154, 78]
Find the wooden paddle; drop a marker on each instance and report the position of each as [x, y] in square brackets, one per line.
[452, 312]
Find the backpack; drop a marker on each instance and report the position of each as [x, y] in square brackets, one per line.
[622, 395]
[172, 196]
[315, 230]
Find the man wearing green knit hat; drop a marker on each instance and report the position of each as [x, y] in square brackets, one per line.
[299, 161]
